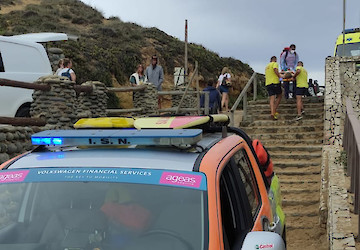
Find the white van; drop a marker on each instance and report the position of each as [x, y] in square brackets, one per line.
[23, 58]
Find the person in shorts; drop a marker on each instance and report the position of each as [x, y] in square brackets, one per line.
[224, 85]
[272, 83]
[302, 86]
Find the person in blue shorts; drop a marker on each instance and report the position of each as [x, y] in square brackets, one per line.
[224, 84]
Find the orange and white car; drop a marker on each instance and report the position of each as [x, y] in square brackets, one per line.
[195, 188]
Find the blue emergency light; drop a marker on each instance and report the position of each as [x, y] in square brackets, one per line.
[127, 137]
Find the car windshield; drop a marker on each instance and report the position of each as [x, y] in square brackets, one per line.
[91, 208]
[350, 49]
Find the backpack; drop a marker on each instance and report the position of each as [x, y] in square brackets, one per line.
[225, 81]
[263, 155]
[67, 74]
[285, 50]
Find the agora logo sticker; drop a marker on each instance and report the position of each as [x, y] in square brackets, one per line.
[180, 179]
[264, 246]
[15, 176]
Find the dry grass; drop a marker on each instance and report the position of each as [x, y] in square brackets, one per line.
[18, 6]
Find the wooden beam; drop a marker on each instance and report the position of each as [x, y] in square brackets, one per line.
[24, 85]
[127, 89]
[22, 121]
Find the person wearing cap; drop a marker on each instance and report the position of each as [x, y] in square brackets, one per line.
[288, 63]
[302, 86]
[155, 75]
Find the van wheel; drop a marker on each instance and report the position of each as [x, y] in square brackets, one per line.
[23, 112]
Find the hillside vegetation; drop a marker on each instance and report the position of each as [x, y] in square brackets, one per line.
[108, 50]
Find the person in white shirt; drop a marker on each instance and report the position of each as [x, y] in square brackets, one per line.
[67, 71]
[224, 84]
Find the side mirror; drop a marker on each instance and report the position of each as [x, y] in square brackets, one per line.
[263, 240]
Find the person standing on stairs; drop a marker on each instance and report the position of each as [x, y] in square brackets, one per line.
[301, 77]
[272, 83]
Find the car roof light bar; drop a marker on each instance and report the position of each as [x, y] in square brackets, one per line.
[92, 137]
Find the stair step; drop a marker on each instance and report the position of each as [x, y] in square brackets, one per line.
[284, 129]
[255, 110]
[284, 106]
[302, 222]
[303, 142]
[295, 148]
[282, 136]
[307, 186]
[295, 179]
[300, 202]
[301, 210]
[314, 170]
[298, 190]
[283, 117]
[287, 123]
[306, 100]
[296, 156]
[297, 164]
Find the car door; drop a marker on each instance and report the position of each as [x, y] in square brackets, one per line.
[244, 207]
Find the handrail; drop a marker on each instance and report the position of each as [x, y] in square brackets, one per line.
[351, 144]
[243, 96]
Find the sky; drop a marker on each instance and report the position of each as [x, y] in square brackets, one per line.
[249, 30]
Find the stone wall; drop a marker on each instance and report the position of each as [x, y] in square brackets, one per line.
[61, 107]
[342, 80]
[14, 141]
[190, 100]
[147, 100]
[56, 106]
[92, 105]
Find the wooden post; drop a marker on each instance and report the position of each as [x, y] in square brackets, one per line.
[206, 102]
[197, 88]
[255, 87]
[186, 52]
[245, 105]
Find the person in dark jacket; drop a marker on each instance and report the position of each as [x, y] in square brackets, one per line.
[214, 98]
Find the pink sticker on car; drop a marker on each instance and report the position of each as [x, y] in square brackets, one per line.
[181, 179]
[14, 176]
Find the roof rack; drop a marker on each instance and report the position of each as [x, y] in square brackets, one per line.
[116, 137]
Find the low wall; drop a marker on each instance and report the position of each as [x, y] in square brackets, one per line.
[15, 140]
[342, 80]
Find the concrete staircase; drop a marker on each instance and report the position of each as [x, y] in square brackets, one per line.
[295, 148]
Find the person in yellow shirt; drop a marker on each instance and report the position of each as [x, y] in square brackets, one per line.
[272, 83]
[302, 86]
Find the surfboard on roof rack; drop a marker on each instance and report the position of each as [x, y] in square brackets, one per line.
[170, 122]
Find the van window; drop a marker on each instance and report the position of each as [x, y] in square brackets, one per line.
[248, 177]
[2, 69]
[350, 49]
